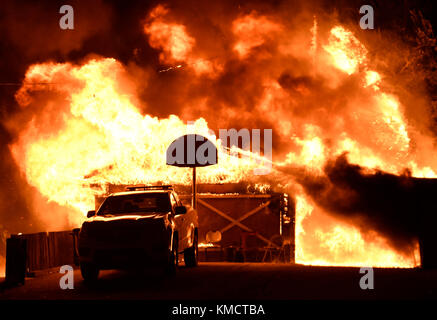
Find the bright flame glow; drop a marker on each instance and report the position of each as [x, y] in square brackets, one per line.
[343, 244]
[347, 52]
[104, 138]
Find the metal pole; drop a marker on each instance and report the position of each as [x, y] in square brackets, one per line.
[194, 199]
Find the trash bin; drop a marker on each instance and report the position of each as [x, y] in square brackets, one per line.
[239, 255]
[230, 253]
[15, 260]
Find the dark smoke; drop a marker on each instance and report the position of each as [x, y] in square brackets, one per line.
[397, 207]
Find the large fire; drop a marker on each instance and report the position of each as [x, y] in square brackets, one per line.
[100, 135]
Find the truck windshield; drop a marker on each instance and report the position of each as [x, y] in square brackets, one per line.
[135, 203]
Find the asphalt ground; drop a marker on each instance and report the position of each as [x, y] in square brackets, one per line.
[233, 281]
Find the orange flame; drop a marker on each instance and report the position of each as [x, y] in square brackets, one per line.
[252, 31]
[176, 44]
[104, 138]
[2, 266]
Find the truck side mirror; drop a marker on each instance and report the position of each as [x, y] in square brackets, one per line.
[180, 210]
[91, 213]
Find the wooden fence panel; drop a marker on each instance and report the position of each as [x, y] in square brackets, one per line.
[37, 251]
[61, 248]
[48, 250]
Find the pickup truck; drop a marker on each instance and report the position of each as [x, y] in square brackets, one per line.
[144, 226]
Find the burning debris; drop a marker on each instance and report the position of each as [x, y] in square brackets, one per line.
[323, 86]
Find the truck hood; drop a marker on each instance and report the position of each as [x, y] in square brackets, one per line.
[128, 217]
[125, 226]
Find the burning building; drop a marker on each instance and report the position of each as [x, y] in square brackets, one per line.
[351, 115]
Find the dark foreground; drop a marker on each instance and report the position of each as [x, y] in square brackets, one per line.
[235, 281]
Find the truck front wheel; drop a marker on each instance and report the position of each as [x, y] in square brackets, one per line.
[191, 254]
[173, 256]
